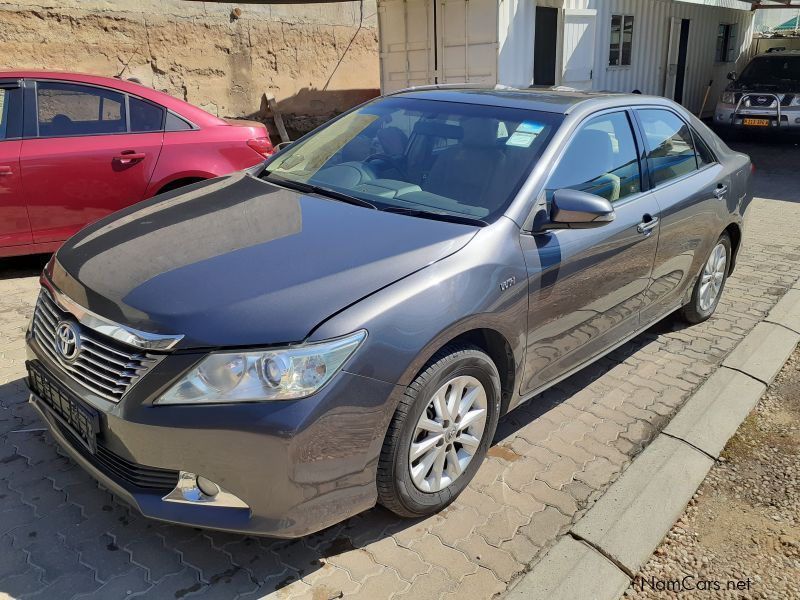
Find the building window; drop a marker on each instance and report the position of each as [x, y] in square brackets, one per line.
[621, 41]
[726, 43]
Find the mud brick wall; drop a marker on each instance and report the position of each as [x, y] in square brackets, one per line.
[316, 59]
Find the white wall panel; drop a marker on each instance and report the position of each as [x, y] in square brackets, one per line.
[492, 41]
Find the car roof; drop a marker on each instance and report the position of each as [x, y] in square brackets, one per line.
[188, 111]
[563, 101]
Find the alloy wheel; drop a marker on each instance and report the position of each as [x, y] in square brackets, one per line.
[448, 433]
[712, 277]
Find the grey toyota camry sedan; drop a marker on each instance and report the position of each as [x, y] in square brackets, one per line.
[273, 351]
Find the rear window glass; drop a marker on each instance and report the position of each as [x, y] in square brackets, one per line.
[145, 116]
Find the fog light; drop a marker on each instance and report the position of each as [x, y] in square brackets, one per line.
[194, 489]
[797, 120]
[208, 487]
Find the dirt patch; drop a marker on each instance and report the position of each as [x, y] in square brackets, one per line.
[740, 534]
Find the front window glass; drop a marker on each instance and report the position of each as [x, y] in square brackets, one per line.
[669, 140]
[70, 109]
[601, 159]
[424, 155]
[772, 70]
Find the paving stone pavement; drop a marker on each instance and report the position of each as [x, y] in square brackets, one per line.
[61, 536]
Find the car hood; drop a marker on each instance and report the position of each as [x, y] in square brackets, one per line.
[237, 261]
[786, 87]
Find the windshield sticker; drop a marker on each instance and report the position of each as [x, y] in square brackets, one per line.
[530, 127]
[525, 133]
[521, 139]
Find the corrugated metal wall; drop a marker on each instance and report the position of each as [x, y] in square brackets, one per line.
[650, 41]
[405, 38]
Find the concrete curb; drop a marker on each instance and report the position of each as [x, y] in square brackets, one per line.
[617, 535]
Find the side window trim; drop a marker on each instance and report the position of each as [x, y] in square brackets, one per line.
[651, 179]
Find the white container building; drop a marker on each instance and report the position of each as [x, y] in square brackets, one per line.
[672, 48]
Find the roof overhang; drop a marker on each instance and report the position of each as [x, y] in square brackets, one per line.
[762, 4]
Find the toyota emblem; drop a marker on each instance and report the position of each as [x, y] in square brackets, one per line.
[68, 341]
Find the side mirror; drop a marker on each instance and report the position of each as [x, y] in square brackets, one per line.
[732, 75]
[573, 209]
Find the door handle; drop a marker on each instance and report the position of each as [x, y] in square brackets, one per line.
[647, 225]
[721, 191]
[5, 170]
[126, 158]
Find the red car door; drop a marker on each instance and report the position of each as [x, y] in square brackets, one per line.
[83, 161]
[15, 229]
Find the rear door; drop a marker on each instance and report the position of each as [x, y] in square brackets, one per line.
[587, 287]
[692, 190]
[15, 229]
[82, 158]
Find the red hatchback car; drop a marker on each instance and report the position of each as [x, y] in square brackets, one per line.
[74, 148]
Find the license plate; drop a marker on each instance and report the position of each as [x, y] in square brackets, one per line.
[82, 421]
[756, 122]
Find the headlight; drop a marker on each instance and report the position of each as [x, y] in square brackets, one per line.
[728, 98]
[795, 101]
[253, 376]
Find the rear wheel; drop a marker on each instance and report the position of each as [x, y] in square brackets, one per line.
[440, 432]
[708, 289]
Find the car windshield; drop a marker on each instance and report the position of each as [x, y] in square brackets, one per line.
[421, 157]
[772, 70]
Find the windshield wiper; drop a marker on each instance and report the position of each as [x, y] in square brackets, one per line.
[436, 216]
[309, 188]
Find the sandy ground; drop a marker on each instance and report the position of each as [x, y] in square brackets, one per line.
[740, 534]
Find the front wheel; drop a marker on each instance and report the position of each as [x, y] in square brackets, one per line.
[708, 289]
[440, 432]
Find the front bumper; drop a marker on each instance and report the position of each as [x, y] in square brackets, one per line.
[726, 116]
[300, 466]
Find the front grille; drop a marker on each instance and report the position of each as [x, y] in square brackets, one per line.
[121, 470]
[103, 365]
[757, 101]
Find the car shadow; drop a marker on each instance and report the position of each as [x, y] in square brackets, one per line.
[16, 267]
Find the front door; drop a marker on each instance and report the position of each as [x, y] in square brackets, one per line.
[587, 287]
[15, 229]
[545, 42]
[80, 163]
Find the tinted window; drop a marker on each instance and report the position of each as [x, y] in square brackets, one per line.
[704, 154]
[70, 109]
[669, 141]
[175, 123]
[601, 159]
[425, 155]
[145, 116]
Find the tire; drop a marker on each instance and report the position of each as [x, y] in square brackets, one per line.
[698, 309]
[456, 365]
